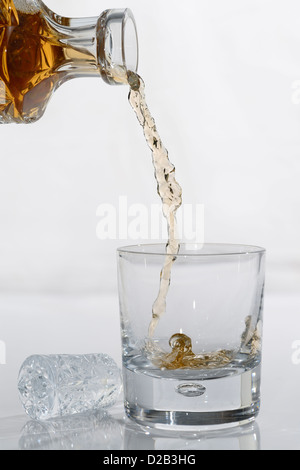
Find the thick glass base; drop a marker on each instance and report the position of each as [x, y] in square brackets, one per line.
[193, 421]
[217, 401]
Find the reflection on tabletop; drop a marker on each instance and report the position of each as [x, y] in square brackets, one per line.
[89, 431]
[102, 431]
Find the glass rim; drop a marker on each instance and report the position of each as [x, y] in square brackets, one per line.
[159, 249]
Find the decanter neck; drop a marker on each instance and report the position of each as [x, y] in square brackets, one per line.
[105, 45]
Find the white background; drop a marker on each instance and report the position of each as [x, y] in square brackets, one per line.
[221, 80]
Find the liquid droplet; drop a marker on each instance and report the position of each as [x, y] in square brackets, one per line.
[181, 343]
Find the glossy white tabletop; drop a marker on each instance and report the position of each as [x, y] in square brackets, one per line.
[44, 325]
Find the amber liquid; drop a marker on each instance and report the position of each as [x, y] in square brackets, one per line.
[30, 56]
[35, 59]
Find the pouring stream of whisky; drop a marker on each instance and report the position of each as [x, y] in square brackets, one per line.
[170, 192]
[168, 189]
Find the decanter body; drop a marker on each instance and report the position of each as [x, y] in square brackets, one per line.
[40, 50]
